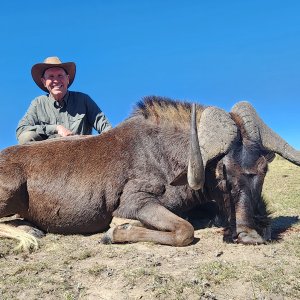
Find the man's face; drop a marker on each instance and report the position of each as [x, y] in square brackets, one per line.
[56, 81]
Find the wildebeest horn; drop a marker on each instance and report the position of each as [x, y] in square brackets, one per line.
[216, 132]
[258, 131]
[196, 171]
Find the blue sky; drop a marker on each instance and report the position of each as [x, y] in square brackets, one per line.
[213, 52]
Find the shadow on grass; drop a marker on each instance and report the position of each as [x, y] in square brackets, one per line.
[282, 224]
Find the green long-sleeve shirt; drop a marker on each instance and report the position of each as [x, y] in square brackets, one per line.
[78, 113]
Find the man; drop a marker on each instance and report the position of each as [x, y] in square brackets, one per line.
[61, 112]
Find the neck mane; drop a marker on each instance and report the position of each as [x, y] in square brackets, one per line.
[165, 111]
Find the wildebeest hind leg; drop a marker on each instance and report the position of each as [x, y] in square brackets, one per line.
[14, 200]
[168, 228]
[13, 191]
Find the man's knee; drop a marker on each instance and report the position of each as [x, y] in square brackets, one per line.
[29, 136]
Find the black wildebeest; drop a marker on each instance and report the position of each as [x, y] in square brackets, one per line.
[149, 168]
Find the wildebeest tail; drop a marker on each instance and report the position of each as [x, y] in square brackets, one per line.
[27, 242]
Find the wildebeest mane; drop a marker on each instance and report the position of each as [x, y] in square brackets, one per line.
[163, 110]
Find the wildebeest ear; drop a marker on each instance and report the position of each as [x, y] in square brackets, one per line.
[180, 179]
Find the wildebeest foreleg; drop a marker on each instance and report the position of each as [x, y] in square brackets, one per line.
[168, 228]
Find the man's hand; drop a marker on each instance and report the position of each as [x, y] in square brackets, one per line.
[61, 130]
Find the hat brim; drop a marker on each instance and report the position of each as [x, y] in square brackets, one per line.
[38, 70]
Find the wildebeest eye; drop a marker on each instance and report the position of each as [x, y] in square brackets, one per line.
[270, 156]
[249, 174]
[262, 165]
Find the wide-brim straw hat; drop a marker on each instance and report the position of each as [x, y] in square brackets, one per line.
[38, 70]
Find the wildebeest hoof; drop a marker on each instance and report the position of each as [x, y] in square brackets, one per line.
[125, 226]
[107, 237]
[36, 232]
[250, 237]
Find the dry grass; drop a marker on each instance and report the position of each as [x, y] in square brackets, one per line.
[78, 267]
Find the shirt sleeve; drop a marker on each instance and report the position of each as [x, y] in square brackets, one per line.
[96, 117]
[30, 122]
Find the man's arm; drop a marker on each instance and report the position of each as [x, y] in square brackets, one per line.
[96, 117]
[31, 122]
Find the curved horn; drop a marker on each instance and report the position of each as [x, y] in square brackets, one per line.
[196, 171]
[216, 131]
[258, 131]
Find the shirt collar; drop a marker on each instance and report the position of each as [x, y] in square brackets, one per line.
[62, 103]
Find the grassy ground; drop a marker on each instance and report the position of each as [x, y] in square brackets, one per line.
[78, 267]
